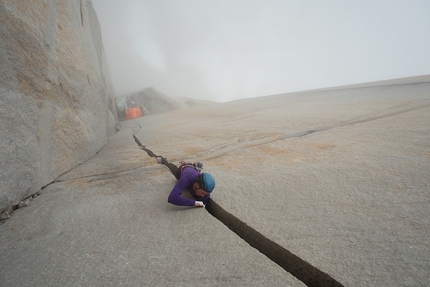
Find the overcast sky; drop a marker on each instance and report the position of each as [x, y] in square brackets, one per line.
[222, 50]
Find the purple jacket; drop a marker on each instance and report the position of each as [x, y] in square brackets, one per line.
[186, 181]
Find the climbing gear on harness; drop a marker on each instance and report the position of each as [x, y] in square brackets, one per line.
[197, 166]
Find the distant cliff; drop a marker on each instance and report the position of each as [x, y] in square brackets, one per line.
[56, 96]
[153, 101]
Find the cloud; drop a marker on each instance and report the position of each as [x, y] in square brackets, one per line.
[224, 50]
[143, 34]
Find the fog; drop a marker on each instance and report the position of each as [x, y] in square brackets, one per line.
[222, 50]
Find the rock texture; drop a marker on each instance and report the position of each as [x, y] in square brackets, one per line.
[56, 97]
[338, 177]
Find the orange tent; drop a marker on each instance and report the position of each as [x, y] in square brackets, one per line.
[133, 113]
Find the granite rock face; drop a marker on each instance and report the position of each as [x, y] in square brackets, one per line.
[56, 96]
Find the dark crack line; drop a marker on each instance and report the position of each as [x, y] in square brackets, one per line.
[102, 176]
[383, 116]
[305, 133]
[161, 160]
[291, 263]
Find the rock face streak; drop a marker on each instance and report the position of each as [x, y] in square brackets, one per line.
[56, 96]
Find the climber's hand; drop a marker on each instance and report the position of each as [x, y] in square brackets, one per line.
[199, 204]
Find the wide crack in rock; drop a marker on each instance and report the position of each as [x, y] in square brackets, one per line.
[291, 263]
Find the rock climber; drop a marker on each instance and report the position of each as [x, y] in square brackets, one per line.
[198, 184]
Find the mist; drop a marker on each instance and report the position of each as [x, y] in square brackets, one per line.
[226, 50]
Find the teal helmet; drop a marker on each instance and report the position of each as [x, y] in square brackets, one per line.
[206, 182]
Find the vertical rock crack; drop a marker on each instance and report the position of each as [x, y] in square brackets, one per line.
[299, 268]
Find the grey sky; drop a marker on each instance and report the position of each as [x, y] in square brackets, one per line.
[223, 50]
